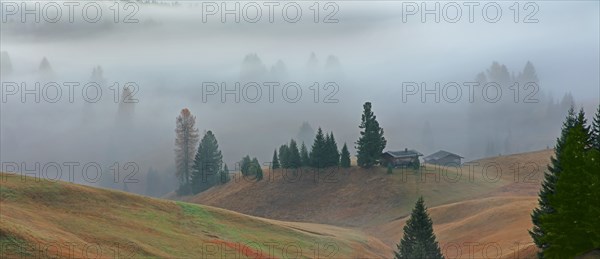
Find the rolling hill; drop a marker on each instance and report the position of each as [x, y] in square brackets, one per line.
[483, 206]
[39, 218]
[330, 214]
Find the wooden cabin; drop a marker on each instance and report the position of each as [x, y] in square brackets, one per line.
[443, 158]
[406, 158]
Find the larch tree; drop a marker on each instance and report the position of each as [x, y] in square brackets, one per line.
[186, 139]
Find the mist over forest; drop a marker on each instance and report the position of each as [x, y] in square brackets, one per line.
[170, 58]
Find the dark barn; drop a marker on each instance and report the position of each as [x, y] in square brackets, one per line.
[406, 158]
[443, 158]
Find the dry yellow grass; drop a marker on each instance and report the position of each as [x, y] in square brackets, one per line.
[487, 209]
[472, 218]
[55, 219]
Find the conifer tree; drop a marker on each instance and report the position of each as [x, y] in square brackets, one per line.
[331, 151]
[275, 161]
[371, 143]
[284, 156]
[345, 157]
[304, 157]
[548, 186]
[574, 227]
[317, 154]
[596, 130]
[256, 169]
[418, 240]
[294, 159]
[207, 164]
[245, 165]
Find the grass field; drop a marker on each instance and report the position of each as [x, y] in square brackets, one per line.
[46, 219]
[483, 206]
[330, 214]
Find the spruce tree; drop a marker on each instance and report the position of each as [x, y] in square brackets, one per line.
[333, 155]
[573, 227]
[548, 186]
[245, 165]
[345, 157]
[304, 157]
[317, 154]
[256, 169]
[294, 159]
[275, 161]
[207, 164]
[596, 130]
[284, 156]
[371, 142]
[418, 240]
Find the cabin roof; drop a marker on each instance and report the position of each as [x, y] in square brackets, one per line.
[404, 153]
[440, 154]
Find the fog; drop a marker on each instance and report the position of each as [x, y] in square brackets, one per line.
[369, 53]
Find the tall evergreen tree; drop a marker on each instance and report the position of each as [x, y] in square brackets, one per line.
[275, 161]
[284, 156]
[331, 151]
[418, 240]
[185, 148]
[548, 186]
[304, 157]
[371, 143]
[207, 164]
[256, 169]
[245, 165]
[317, 153]
[596, 130]
[345, 157]
[294, 159]
[574, 226]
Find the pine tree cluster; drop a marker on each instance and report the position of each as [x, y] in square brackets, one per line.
[324, 153]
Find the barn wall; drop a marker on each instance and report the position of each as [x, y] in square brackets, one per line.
[447, 161]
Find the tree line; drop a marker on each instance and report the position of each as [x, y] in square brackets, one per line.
[199, 162]
[323, 153]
